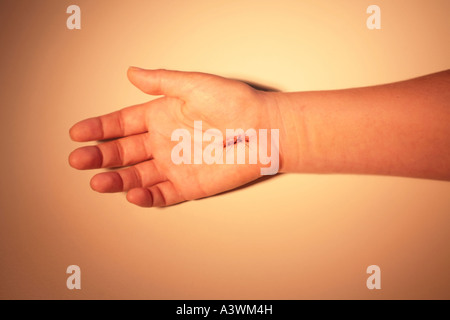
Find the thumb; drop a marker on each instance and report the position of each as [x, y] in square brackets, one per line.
[161, 82]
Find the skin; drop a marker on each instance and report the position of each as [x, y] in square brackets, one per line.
[396, 129]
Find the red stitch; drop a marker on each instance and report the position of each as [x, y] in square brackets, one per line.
[247, 139]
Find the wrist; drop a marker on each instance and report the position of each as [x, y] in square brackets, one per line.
[289, 117]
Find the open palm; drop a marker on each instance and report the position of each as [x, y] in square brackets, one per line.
[142, 137]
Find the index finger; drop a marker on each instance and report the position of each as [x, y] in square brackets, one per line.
[125, 122]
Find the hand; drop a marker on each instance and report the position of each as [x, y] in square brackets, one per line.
[144, 131]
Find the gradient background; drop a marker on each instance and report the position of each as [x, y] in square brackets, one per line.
[290, 237]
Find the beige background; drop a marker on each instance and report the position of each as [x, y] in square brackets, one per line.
[290, 237]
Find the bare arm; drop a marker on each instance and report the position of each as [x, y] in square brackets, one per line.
[395, 129]
[400, 129]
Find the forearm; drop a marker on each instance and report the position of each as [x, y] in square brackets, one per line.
[400, 129]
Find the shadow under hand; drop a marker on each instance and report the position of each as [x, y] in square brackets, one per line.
[258, 86]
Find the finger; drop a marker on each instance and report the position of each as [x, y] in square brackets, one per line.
[125, 122]
[158, 195]
[163, 82]
[144, 174]
[114, 153]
